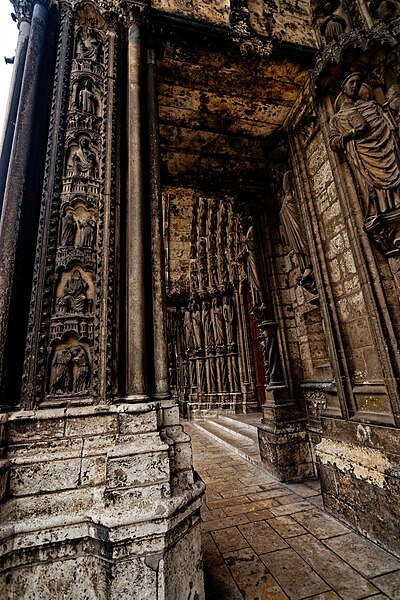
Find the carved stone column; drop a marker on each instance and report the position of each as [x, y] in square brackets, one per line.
[136, 346]
[160, 349]
[20, 204]
[24, 26]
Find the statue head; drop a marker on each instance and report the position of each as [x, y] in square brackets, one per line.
[352, 84]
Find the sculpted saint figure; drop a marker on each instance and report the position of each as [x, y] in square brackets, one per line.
[84, 160]
[254, 259]
[219, 328]
[207, 325]
[75, 298]
[196, 319]
[68, 229]
[363, 132]
[61, 362]
[292, 224]
[87, 100]
[80, 359]
[228, 312]
[187, 328]
[88, 230]
[88, 47]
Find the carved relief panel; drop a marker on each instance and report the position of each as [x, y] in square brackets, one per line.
[76, 247]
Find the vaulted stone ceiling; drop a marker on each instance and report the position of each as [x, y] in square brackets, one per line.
[220, 97]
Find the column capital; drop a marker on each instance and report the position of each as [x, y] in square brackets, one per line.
[133, 12]
[22, 10]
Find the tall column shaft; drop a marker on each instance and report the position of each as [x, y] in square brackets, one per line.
[21, 201]
[136, 364]
[12, 106]
[161, 386]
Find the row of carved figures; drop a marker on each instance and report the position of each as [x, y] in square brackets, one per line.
[209, 326]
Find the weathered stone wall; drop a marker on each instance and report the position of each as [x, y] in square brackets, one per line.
[217, 11]
[289, 22]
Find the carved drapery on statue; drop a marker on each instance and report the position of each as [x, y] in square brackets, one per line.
[362, 130]
[293, 233]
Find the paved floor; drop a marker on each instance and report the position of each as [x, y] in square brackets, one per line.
[266, 540]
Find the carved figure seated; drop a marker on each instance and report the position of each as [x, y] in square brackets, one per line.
[75, 294]
[362, 130]
[84, 160]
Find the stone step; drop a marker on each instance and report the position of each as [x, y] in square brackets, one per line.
[242, 433]
[232, 440]
[243, 424]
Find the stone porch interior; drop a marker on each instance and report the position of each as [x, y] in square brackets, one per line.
[266, 540]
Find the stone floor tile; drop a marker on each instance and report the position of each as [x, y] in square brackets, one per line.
[211, 554]
[294, 575]
[302, 489]
[229, 539]
[286, 526]
[224, 523]
[290, 499]
[380, 597]
[211, 515]
[325, 596]
[342, 578]
[220, 585]
[242, 491]
[389, 583]
[252, 507]
[317, 501]
[289, 509]
[262, 537]
[252, 577]
[363, 555]
[315, 484]
[259, 515]
[320, 524]
[223, 502]
[273, 493]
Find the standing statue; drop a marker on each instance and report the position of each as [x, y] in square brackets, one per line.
[68, 229]
[62, 378]
[87, 100]
[81, 378]
[254, 258]
[291, 223]
[228, 312]
[364, 133]
[207, 326]
[88, 232]
[187, 328]
[219, 328]
[196, 321]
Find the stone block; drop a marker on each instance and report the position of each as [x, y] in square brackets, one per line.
[130, 424]
[137, 469]
[46, 476]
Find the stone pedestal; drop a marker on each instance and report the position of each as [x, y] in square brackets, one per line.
[284, 445]
[99, 502]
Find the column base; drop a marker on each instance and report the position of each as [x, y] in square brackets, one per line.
[99, 502]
